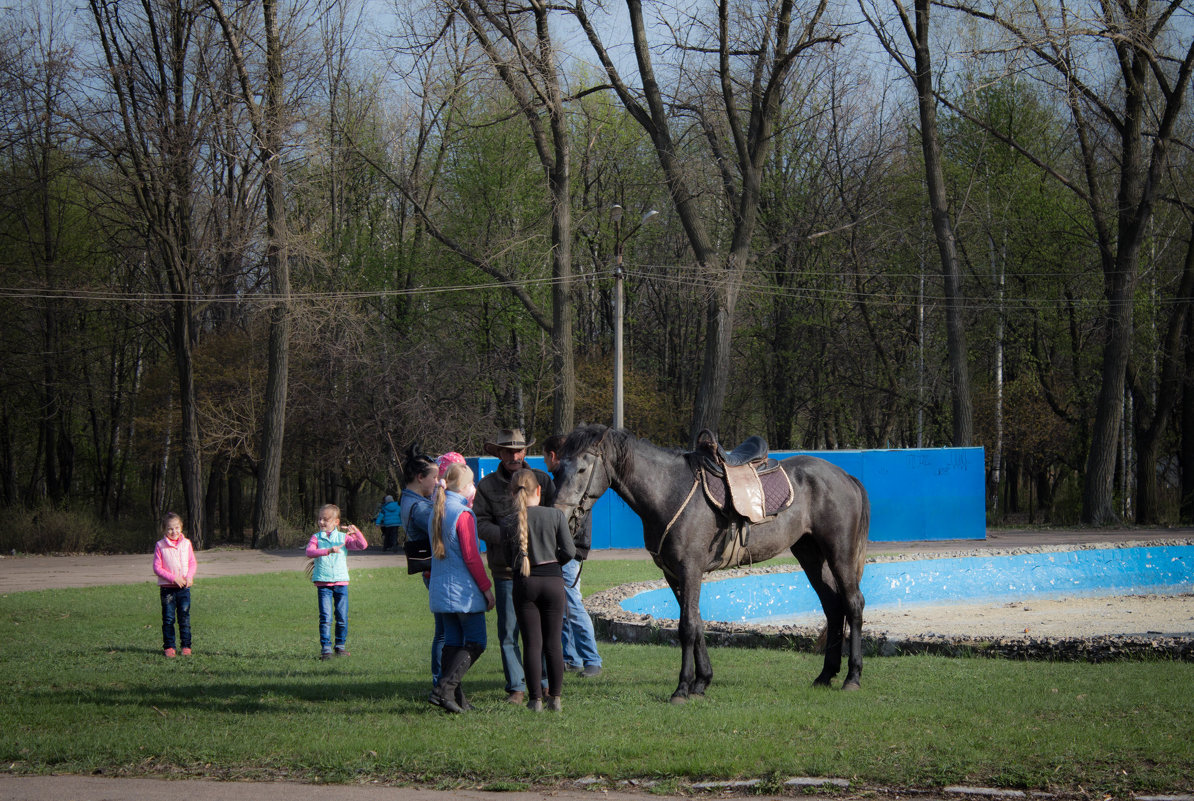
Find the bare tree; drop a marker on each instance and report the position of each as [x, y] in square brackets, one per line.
[753, 51]
[1124, 131]
[916, 26]
[35, 69]
[149, 57]
[269, 125]
[1153, 416]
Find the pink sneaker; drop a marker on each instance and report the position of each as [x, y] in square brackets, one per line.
[186, 651]
[169, 653]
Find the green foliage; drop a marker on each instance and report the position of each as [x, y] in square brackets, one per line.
[255, 703]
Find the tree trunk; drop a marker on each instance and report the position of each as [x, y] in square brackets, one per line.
[269, 471]
[190, 459]
[715, 369]
[236, 500]
[1152, 420]
[963, 407]
[1187, 439]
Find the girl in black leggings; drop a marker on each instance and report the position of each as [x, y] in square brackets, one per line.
[537, 542]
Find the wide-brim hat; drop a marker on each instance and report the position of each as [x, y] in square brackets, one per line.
[508, 439]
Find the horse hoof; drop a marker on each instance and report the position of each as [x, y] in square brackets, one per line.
[822, 683]
[679, 699]
[851, 686]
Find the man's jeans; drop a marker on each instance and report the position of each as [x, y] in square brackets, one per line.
[507, 627]
[176, 603]
[333, 601]
[580, 642]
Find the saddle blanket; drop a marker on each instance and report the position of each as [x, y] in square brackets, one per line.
[777, 492]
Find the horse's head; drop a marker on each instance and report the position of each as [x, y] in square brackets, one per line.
[584, 471]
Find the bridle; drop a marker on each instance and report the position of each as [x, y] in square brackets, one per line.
[588, 498]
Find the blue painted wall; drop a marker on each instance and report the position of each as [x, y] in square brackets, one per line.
[916, 494]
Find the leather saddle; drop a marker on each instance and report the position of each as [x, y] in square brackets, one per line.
[745, 480]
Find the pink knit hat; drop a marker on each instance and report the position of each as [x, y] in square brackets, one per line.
[447, 460]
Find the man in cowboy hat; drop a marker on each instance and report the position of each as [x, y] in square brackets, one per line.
[492, 503]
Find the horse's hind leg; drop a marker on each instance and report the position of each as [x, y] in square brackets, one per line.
[846, 576]
[854, 605]
[816, 569]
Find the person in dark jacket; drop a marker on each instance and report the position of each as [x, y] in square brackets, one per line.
[420, 474]
[580, 641]
[536, 542]
[492, 504]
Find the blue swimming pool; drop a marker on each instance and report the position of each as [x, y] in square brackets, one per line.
[772, 597]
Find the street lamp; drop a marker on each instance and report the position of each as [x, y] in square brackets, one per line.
[615, 216]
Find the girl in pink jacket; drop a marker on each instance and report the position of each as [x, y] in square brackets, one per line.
[174, 565]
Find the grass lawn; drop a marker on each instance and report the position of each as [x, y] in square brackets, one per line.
[86, 689]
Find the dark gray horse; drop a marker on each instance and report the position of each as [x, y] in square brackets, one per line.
[825, 527]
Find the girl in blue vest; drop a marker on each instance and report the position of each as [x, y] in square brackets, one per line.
[460, 590]
[327, 548]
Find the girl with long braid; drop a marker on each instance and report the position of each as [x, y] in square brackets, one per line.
[537, 543]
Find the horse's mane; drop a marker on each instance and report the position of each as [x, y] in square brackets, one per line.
[619, 445]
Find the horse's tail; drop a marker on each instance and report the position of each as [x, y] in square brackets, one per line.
[862, 530]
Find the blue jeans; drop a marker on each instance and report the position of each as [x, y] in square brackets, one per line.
[333, 601]
[507, 626]
[580, 642]
[437, 640]
[176, 603]
[464, 628]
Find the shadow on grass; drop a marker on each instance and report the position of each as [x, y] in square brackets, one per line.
[231, 681]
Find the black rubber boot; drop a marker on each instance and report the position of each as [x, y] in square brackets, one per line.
[474, 651]
[456, 662]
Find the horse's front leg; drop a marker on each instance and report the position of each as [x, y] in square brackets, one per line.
[695, 672]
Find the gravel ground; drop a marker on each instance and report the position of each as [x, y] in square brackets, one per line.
[1078, 628]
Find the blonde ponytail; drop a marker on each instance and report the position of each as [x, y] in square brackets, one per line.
[437, 521]
[522, 485]
[457, 478]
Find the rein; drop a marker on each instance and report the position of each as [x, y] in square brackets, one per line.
[588, 500]
[696, 480]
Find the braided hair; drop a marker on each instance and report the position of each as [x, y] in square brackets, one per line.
[523, 486]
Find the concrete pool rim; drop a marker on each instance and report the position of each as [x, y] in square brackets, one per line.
[613, 623]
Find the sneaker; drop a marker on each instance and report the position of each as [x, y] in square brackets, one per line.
[535, 704]
[573, 668]
[342, 651]
[326, 655]
[186, 651]
[169, 652]
[591, 671]
[555, 703]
